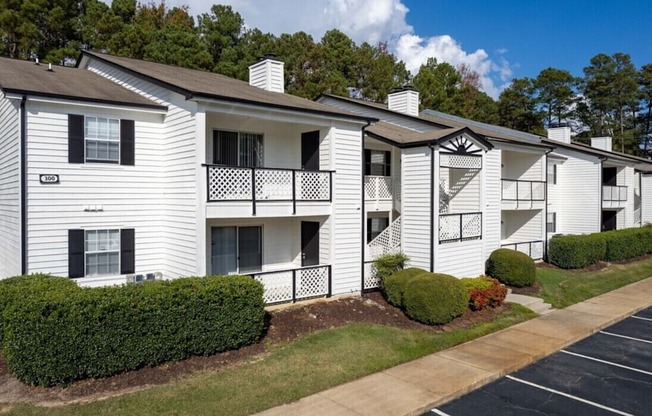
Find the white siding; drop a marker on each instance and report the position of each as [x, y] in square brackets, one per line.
[523, 166]
[646, 198]
[181, 217]
[123, 196]
[492, 201]
[346, 224]
[631, 180]
[463, 259]
[10, 253]
[553, 191]
[416, 208]
[579, 180]
[522, 226]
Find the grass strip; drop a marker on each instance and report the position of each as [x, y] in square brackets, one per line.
[308, 365]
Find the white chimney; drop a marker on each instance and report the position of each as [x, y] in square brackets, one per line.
[602, 143]
[267, 73]
[561, 133]
[404, 100]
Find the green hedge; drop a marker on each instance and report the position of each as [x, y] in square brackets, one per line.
[435, 298]
[394, 284]
[511, 267]
[56, 333]
[578, 251]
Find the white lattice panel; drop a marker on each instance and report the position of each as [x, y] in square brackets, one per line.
[313, 186]
[225, 183]
[278, 286]
[536, 252]
[449, 227]
[388, 241]
[447, 160]
[371, 279]
[312, 282]
[471, 225]
[273, 185]
[378, 187]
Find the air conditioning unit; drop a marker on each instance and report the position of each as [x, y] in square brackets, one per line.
[144, 277]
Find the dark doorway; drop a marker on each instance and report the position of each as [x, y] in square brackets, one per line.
[608, 220]
[310, 150]
[309, 243]
[609, 176]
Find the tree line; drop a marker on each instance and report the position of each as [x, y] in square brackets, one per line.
[612, 98]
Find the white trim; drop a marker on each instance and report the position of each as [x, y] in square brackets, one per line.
[90, 104]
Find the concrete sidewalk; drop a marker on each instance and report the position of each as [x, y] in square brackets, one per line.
[418, 386]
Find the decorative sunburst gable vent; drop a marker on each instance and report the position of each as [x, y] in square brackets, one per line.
[460, 152]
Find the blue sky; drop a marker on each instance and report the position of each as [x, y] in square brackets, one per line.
[500, 39]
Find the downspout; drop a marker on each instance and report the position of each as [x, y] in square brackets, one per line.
[363, 239]
[640, 199]
[545, 212]
[23, 186]
[432, 207]
[602, 159]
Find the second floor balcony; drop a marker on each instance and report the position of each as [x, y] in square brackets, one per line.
[382, 191]
[522, 194]
[245, 191]
[614, 196]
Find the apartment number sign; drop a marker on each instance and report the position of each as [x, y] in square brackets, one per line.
[48, 178]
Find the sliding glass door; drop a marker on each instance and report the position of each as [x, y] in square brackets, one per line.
[236, 250]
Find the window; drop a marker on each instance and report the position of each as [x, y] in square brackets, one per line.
[552, 174]
[551, 222]
[102, 139]
[101, 252]
[378, 163]
[237, 149]
[375, 226]
[236, 249]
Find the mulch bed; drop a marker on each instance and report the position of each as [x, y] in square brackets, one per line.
[282, 325]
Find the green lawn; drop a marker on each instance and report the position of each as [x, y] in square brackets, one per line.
[562, 288]
[308, 365]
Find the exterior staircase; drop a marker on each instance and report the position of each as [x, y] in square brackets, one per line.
[537, 305]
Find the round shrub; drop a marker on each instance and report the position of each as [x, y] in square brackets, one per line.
[435, 298]
[511, 267]
[396, 282]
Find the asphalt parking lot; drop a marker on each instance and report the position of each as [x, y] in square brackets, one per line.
[608, 373]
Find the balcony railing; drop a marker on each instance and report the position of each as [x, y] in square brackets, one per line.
[516, 190]
[533, 249]
[614, 193]
[381, 188]
[229, 183]
[460, 227]
[295, 284]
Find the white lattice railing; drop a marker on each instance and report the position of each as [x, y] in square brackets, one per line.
[295, 284]
[382, 188]
[614, 193]
[388, 241]
[228, 183]
[459, 227]
[370, 279]
[533, 249]
[515, 190]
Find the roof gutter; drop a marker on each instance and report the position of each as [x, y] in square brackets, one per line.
[23, 185]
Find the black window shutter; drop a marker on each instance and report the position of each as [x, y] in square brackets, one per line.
[75, 138]
[388, 163]
[367, 162]
[127, 133]
[76, 253]
[127, 252]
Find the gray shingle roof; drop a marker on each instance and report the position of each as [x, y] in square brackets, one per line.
[203, 84]
[25, 77]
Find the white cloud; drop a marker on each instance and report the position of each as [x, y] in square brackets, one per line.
[365, 21]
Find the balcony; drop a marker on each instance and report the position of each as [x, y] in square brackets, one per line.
[518, 194]
[382, 192]
[231, 191]
[460, 227]
[614, 196]
[534, 249]
[295, 284]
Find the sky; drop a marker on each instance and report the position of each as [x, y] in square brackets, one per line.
[500, 39]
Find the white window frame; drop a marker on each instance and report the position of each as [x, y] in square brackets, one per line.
[261, 157]
[552, 223]
[99, 138]
[96, 251]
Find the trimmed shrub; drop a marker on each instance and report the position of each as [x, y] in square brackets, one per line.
[395, 284]
[628, 243]
[484, 292]
[435, 298]
[63, 334]
[511, 267]
[389, 264]
[577, 251]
